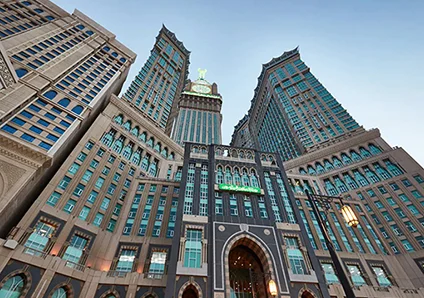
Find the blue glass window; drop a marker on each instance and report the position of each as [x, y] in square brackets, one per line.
[80, 26]
[20, 72]
[59, 130]
[107, 49]
[36, 129]
[38, 10]
[123, 60]
[43, 122]
[52, 137]
[64, 102]
[50, 18]
[26, 114]
[26, 3]
[50, 116]
[27, 137]
[50, 94]
[115, 54]
[9, 129]
[18, 121]
[64, 123]
[89, 32]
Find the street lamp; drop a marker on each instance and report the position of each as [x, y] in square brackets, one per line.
[350, 218]
[272, 287]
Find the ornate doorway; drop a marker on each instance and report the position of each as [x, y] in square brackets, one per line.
[190, 292]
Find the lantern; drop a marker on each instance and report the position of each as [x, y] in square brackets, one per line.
[272, 287]
[349, 216]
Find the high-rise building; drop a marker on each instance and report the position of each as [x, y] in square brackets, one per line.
[199, 113]
[58, 73]
[326, 152]
[98, 201]
[156, 88]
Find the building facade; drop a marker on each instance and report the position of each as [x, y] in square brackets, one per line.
[326, 152]
[199, 113]
[58, 73]
[157, 87]
[237, 229]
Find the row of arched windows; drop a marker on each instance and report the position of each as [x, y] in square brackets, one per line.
[361, 177]
[64, 102]
[236, 176]
[131, 152]
[19, 284]
[142, 136]
[345, 158]
[233, 152]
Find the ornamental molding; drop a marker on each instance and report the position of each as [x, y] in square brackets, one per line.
[23, 154]
[333, 149]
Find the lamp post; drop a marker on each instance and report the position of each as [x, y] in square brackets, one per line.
[351, 219]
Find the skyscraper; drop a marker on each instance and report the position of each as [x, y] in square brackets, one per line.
[58, 73]
[327, 152]
[156, 88]
[199, 113]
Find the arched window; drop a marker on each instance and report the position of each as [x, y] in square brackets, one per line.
[329, 187]
[64, 102]
[394, 169]
[153, 168]
[145, 162]
[106, 49]
[355, 156]
[123, 60]
[60, 293]
[171, 156]
[13, 287]
[38, 10]
[245, 178]
[241, 154]
[114, 54]
[350, 181]
[381, 171]
[50, 18]
[374, 149]
[228, 176]
[127, 125]
[237, 178]
[219, 176]
[319, 167]
[364, 152]
[360, 178]
[118, 119]
[137, 157]
[157, 147]
[340, 185]
[164, 152]
[254, 180]
[328, 166]
[150, 142]
[346, 159]
[117, 146]
[20, 72]
[134, 131]
[249, 155]
[337, 163]
[108, 138]
[311, 170]
[80, 26]
[77, 109]
[127, 152]
[26, 3]
[89, 32]
[371, 175]
[143, 137]
[302, 171]
[50, 94]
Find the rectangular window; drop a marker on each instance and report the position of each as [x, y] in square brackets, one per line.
[193, 249]
[53, 199]
[69, 206]
[295, 255]
[98, 219]
[64, 183]
[84, 213]
[126, 260]
[356, 275]
[330, 274]
[157, 265]
[39, 238]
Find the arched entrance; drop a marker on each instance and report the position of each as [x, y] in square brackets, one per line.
[249, 269]
[307, 294]
[190, 292]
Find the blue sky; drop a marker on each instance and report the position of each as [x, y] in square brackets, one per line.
[368, 54]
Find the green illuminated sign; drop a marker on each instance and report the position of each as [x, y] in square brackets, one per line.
[239, 188]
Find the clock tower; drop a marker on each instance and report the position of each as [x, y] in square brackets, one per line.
[199, 113]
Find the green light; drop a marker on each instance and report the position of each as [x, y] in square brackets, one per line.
[239, 188]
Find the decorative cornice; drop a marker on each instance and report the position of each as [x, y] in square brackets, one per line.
[171, 35]
[22, 153]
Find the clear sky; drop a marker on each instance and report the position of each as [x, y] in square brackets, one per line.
[368, 54]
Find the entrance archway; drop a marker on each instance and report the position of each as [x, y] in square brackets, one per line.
[307, 294]
[190, 292]
[249, 268]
